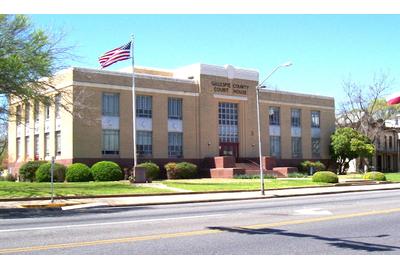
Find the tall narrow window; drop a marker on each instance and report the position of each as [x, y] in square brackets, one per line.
[27, 114]
[110, 104]
[47, 144]
[19, 149]
[275, 146]
[390, 142]
[144, 145]
[175, 108]
[315, 147]
[58, 143]
[315, 119]
[18, 114]
[36, 111]
[296, 147]
[36, 147]
[144, 106]
[274, 116]
[296, 117]
[228, 122]
[110, 142]
[27, 147]
[47, 112]
[175, 144]
[57, 106]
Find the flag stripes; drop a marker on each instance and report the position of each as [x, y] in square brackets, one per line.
[115, 55]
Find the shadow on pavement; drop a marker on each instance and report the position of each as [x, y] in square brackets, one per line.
[333, 241]
[17, 213]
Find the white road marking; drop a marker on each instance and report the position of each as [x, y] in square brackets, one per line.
[106, 223]
[312, 212]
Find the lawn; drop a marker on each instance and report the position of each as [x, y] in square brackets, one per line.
[30, 190]
[393, 177]
[237, 184]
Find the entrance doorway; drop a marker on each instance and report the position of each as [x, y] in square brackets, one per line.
[229, 149]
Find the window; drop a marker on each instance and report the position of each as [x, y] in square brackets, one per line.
[47, 144]
[275, 146]
[19, 150]
[274, 117]
[110, 105]
[228, 122]
[144, 145]
[36, 147]
[27, 151]
[296, 147]
[58, 106]
[296, 114]
[47, 112]
[143, 106]
[27, 113]
[175, 144]
[18, 114]
[58, 143]
[385, 142]
[175, 108]
[36, 111]
[378, 141]
[110, 142]
[315, 147]
[315, 119]
[390, 142]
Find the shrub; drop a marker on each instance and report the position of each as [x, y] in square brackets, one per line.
[306, 165]
[28, 170]
[378, 176]
[43, 173]
[171, 170]
[78, 172]
[186, 170]
[106, 171]
[325, 177]
[152, 170]
[8, 177]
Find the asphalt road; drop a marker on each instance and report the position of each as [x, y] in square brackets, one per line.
[351, 223]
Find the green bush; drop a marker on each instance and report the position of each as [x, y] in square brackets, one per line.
[186, 170]
[78, 172]
[171, 170]
[106, 171]
[152, 170]
[306, 165]
[43, 173]
[325, 177]
[377, 176]
[28, 170]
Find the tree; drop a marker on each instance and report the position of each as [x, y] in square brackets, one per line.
[348, 144]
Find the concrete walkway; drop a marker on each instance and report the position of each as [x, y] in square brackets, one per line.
[190, 198]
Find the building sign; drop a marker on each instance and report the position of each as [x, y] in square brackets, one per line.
[229, 88]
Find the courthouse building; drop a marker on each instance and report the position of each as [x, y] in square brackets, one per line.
[190, 114]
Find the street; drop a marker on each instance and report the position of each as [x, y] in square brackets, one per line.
[350, 223]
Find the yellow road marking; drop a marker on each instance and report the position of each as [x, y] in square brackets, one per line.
[192, 233]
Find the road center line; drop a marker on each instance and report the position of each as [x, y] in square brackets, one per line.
[192, 233]
[106, 223]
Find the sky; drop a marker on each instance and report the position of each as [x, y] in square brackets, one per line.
[325, 49]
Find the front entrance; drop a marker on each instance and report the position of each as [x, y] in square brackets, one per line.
[229, 149]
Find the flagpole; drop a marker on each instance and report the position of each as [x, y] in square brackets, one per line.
[133, 109]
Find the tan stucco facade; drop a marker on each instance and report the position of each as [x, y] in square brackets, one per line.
[201, 88]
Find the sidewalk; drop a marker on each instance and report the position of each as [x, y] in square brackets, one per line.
[191, 198]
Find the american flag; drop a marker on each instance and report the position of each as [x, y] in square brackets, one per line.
[115, 55]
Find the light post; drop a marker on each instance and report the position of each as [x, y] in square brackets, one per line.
[260, 86]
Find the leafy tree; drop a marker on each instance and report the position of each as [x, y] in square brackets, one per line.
[348, 144]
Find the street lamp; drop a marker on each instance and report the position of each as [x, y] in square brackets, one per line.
[260, 86]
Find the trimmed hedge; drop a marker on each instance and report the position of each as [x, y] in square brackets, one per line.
[78, 172]
[106, 171]
[171, 170]
[186, 170]
[152, 170]
[306, 165]
[377, 176]
[43, 173]
[325, 177]
[27, 172]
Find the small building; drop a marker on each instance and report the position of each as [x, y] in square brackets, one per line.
[190, 114]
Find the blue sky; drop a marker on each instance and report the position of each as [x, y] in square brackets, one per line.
[324, 49]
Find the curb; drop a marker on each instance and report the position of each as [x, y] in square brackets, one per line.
[182, 193]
